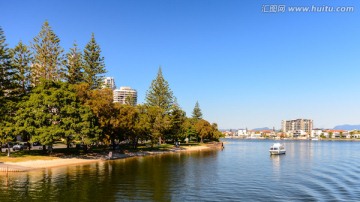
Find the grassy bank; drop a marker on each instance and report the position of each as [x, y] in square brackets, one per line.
[21, 156]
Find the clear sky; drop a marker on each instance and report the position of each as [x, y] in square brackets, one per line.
[247, 68]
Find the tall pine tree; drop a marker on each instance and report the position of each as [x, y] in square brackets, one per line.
[7, 72]
[196, 114]
[48, 56]
[74, 66]
[94, 66]
[21, 60]
[160, 98]
[159, 93]
[7, 88]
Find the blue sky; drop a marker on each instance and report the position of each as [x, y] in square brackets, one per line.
[246, 68]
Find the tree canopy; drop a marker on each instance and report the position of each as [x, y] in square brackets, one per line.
[94, 65]
[7, 70]
[197, 114]
[74, 66]
[53, 111]
[159, 93]
[8, 86]
[48, 56]
[21, 60]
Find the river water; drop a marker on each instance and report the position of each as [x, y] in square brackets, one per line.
[243, 171]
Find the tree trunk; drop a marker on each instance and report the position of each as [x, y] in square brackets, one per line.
[8, 150]
[135, 142]
[50, 149]
[68, 143]
[112, 142]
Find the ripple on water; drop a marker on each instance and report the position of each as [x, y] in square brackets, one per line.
[243, 171]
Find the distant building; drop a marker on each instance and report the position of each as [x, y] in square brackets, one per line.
[267, 133]
[316, 132]
[242, 133]
[331, 133]
[125, 94]
[109, 82]
[297, 126]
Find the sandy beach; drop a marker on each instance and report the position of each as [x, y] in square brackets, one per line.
[40, 164]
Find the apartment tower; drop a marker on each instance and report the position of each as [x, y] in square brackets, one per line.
[109, 82]
[125, 94]
[305, 125]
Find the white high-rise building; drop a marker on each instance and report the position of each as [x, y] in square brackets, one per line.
[109, 82]
[125, 93]
[305, 125]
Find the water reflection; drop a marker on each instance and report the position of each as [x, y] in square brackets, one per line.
[65, 183]
[275, 159]
[276, 166]
[244, 171]
[139, 178]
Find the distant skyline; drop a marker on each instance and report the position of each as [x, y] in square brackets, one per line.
[245, 67]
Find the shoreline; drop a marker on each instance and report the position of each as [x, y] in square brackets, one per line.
[296, 139]
[26, 166]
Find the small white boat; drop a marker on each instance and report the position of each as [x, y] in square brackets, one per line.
[277, 148]
[315, 139]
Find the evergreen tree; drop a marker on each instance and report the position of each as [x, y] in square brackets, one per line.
[53, 111]
[7, 89]
[159, 93]
[48, 56]
[177, 119]
[160, 98]
[21, 60]
[74, 66]
[94, 66]
[7, 72]
[196, 114]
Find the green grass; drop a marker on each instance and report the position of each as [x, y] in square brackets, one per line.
[20, 156]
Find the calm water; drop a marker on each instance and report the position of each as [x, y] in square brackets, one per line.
[243, 171]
